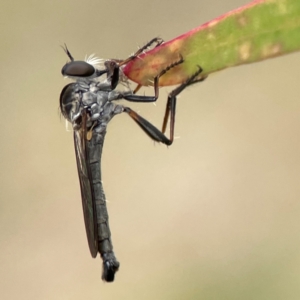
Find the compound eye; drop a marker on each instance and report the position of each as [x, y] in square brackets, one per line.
[78, 69]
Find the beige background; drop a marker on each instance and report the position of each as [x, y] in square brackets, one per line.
[214, 216]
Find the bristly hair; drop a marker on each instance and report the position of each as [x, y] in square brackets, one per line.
[94, 60]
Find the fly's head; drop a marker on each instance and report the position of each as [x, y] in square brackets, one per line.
[81, 70]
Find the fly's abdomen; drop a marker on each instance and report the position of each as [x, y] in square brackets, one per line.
[110, 263]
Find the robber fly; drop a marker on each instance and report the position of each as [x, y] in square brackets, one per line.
[89, 104]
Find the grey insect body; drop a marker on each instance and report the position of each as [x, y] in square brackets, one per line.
[88, 105]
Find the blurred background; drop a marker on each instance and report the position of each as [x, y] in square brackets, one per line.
[214, 216]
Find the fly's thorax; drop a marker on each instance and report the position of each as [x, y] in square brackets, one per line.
[109, 110]
[82, 94]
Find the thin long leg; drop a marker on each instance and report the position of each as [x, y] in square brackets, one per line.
[137, 88]
[150, 129]
[171, 104]
[147, 127]
[158, 41]
[139, 98]
[112, 66]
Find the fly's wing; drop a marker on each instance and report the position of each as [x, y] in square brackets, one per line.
[86, 187]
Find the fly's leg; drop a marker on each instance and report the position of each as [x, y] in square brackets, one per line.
[139, 98]
[113, 71]
[171, 104]
[157, 41]
[154, 133]
[112, 66]
[150, 129]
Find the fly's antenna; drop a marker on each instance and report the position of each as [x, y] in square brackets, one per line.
[65, 48]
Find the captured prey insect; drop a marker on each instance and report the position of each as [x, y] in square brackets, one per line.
[88, 105]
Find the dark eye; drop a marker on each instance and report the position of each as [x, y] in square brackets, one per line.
[78, 69]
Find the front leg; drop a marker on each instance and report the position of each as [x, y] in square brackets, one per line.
[112, 70]
[157, 41]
